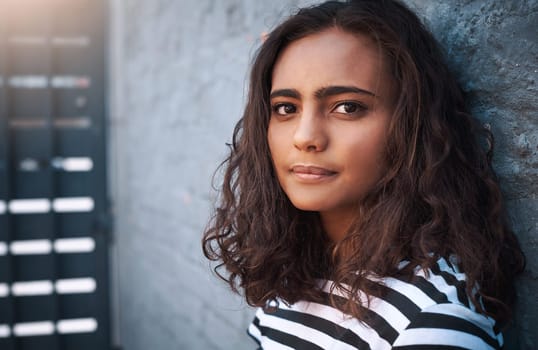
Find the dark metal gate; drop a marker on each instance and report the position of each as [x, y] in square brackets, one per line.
[53, 208]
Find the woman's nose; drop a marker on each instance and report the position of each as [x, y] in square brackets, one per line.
[310, 134]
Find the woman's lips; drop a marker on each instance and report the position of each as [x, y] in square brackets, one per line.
[311, 173]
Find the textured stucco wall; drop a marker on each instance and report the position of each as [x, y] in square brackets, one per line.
[178, 70]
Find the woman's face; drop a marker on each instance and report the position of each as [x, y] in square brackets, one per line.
[331, 101]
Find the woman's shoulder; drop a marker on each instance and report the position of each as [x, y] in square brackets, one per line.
[429, 310]
[442, 283]
[438, 310]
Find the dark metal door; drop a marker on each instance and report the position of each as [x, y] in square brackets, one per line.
[53, 209]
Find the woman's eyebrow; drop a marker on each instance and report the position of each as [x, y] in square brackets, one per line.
[322, 92]
[337, 90]
[286, 93]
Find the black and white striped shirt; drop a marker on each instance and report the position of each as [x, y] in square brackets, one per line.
[432, 312]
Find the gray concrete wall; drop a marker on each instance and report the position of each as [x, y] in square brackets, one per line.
[178, 73]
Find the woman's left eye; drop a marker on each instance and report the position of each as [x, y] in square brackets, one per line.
[349, 108]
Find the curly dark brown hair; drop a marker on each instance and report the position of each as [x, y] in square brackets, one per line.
[438, 198]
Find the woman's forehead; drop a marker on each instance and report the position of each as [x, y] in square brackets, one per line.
[331, 57]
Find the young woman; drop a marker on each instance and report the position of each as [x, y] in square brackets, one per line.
[359, 209]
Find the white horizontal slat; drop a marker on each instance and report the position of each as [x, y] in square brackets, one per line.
[73, 163]
[29, 81]
[73, 204]
[80, 325]
[73, 123]
[31, 247]
[70, 81]
[33, 328]
[29, 206]
[29, 164]
[3, 248]
[28, 123]
[5, 331]
[43, 205]
[75, 285]
[60, 123]
[32, 288]
[74, 245]
[45, 246]
[4, 290]
[45, 287]
[71, 41]
[40, 328]
[77, 164]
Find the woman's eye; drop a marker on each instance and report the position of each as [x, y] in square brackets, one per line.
[349, 108]
[284, 109]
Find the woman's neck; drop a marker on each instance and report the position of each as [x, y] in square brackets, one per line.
[336, 223]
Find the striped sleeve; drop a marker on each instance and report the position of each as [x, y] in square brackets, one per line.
[287, 328]
[447, 327]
